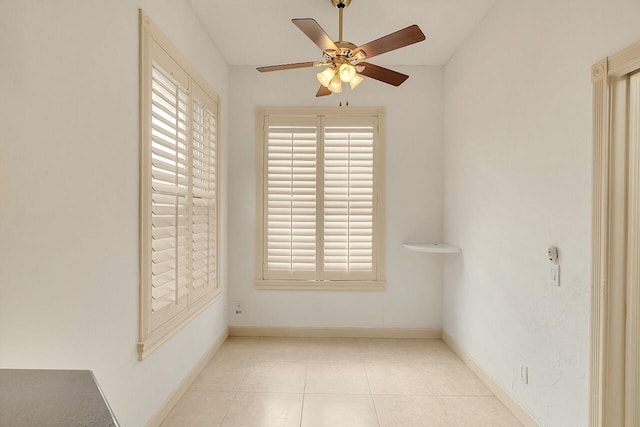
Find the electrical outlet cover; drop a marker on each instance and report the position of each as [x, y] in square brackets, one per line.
[238, 307]
[554, 274]
[524, 374]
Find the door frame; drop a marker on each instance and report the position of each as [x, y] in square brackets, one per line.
[615, 327]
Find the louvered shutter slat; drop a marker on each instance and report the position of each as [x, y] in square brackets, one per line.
[162, 177]
[164, 120]
[165, 155]
[159, 143]
[167, 167]
[158, 129]
[162, 294]
[167, 264]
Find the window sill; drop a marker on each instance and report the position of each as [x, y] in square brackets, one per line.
[171, 327]
[311, 285]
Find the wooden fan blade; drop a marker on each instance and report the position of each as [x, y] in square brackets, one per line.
[286, 66]
[314, 31]
[383, 74]
[393, 41]
[323, 91]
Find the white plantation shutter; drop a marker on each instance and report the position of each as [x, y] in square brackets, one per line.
[169, 198]
[320, 197]
[178, 191]
[203, 219]
[348, 198]
[290, 202]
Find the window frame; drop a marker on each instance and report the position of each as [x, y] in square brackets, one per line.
[616, 167]
[149, 339]
[378, 283]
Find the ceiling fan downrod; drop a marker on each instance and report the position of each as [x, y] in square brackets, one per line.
[340, 4]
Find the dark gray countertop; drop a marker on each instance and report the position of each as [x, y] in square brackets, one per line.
[34, 398]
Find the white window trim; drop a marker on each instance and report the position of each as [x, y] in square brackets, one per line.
[379, 284]
[615, 318]
[149, 340]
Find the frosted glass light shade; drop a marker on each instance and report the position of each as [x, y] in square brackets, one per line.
[325, 77]
[347, 71]
[355, 81]
[336, 85]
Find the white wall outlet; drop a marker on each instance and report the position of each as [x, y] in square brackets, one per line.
[554, 274]
[524, 374]
[238, 307]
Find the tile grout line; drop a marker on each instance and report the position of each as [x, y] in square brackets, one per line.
[304, 388]
[375, 408]
[235, 393]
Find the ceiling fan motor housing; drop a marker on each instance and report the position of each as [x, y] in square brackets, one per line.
[346, 49]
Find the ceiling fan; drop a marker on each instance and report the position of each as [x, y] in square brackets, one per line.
[344, 60]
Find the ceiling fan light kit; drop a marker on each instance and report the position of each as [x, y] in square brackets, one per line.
[325, 77]
[336, 85]
[345, 60]
[355, 81]
[347, 72]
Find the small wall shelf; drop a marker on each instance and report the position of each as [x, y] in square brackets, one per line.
[435, 248]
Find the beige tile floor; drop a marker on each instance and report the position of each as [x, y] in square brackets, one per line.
[335, 382]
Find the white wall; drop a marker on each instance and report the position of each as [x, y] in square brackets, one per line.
[414, 203]
[69, 195]
[518, 180]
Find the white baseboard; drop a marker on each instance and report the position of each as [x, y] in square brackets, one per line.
[503, 395]
[163, 411]
[277, 331]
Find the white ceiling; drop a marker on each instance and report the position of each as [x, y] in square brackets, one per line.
[260, 32]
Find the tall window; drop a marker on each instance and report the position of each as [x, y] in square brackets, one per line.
[178, 197]
[320, 185]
